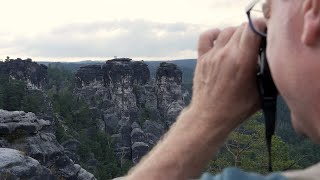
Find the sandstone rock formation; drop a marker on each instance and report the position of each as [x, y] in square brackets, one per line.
[134, 109]
[37, 153]
[31, 72]
[169, 94]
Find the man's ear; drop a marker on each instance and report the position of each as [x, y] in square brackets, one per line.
[311, 25]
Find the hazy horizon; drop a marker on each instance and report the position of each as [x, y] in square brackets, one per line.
[99, 60]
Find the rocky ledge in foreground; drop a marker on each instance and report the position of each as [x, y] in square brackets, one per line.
[29, 151]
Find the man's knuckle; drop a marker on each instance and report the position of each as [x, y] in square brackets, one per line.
[226, 34]
[207, 34]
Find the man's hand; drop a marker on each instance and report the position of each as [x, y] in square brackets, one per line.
[224, 94]
[225, 76]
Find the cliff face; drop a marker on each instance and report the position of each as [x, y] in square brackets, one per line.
[28, 150]
[34, 74]
[135, 110]
[169, 94]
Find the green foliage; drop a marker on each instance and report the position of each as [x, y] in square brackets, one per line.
[60, 132]
[136, 89]
[304, 152]
[75, 112]
[246, 149]
[145, 115]
[12, 92]
[15, 96]
[100, 145]
[59, 77]
[33, 101]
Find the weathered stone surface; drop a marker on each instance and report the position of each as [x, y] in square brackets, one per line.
[39, 144]
[173, 111]
[71, 149]
[117, 69]
[111, 90]
[88, 74]
[169, 79]
[137, 135]
[34, 74]
[139, 149]
[152, 139]
[71, 145]
[42, 146]
[135, 125]
[83, 174]
[169, 70]
[16, 165]
[125, 132]
[111, 123]
[154, 128]
[19, 122]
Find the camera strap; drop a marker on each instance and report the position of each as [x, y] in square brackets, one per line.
[269, 111]
[268, 94]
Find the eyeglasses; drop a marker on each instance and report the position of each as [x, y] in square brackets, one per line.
[254, 10]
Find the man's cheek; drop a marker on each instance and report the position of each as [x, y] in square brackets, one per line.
[295, 124]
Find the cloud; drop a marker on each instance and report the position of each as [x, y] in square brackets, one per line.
[105, 28]
[124, 38]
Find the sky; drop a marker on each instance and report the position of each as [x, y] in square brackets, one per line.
[75, 30]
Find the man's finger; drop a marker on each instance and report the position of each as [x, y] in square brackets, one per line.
[237, 35]
[249, 39]
[224, 37]
[206, 41]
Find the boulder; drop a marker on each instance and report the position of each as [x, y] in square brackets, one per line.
[16, 165]
[125, 132]
[28, 134]
[139, 149]
[153, 127]
[137, 135]
[19, 123]
[135, 125]
[71, 145]
[83, 174]
[152, 139]
[111, 123]
[42, 147]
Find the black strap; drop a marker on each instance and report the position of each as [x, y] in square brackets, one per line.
[268, 94]
[269, 110]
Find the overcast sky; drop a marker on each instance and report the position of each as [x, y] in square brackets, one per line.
[74, 30]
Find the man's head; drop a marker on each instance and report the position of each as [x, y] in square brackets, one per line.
[294, 57]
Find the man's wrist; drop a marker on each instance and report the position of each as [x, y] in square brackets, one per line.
[213, 124]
